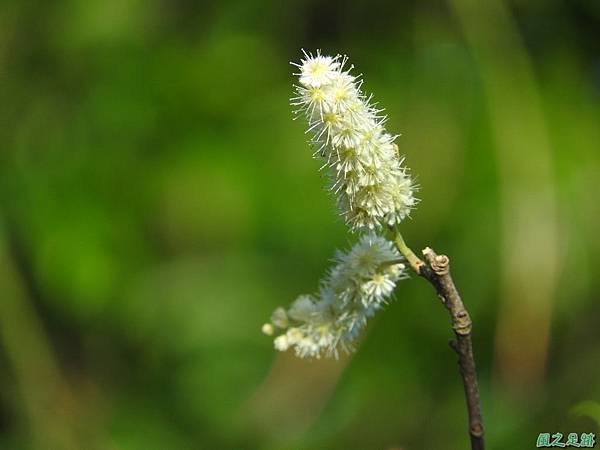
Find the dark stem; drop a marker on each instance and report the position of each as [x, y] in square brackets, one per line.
[436, 270]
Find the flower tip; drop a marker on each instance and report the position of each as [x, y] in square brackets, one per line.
[281, 343]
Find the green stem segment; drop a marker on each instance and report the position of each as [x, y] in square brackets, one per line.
[436, 270]
[410, 256]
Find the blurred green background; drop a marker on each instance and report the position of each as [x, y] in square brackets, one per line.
[157, 202]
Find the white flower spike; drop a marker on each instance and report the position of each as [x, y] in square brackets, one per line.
[359, 284]
[373, 187]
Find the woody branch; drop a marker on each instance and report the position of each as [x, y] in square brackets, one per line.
[436, 270]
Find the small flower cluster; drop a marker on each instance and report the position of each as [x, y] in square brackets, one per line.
[367, 173]
[354, 289]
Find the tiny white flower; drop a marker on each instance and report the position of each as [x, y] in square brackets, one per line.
[317, 70]
[378, 287]
[279, 318]
[342, 92]
[294, 335]
[303, 309]
[312, 100]
[281, 343]
[346, 135]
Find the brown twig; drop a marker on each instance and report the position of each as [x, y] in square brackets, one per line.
[436, 270]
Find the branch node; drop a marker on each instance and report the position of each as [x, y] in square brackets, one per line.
[477, 430]
[439, 263]
[462, 323]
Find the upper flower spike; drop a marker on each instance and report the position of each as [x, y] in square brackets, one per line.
[372, 185]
